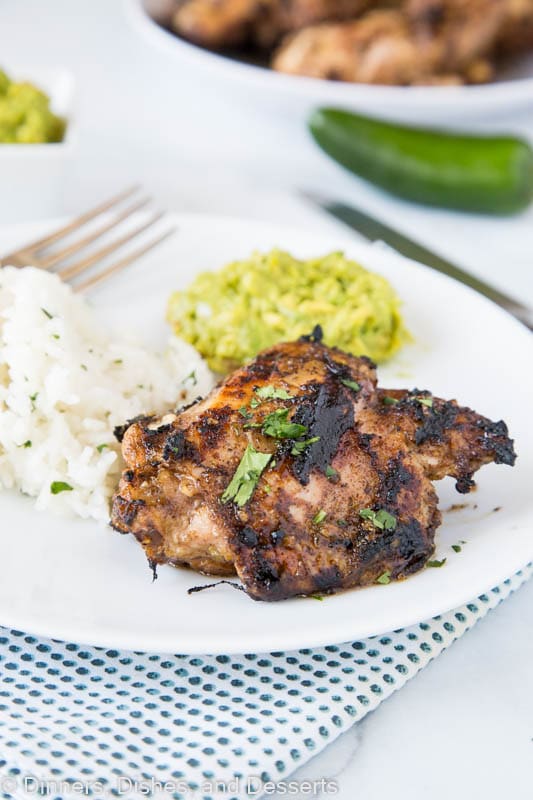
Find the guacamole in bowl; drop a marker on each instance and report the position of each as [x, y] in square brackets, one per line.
[26, 116]
[232, 314]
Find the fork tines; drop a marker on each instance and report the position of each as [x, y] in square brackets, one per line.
[129, 222]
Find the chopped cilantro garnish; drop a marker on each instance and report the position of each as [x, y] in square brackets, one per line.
[319, 517]
[384, 578]
[247, 474]
[191, 377]
[380, 519]
[56, 487]
[117, 361]
[316, 596]
[456, 548]
[436, 563]
[254, 402]
[243, 411]
[278, 426]
[330, 472]
[47, 313]
[101, 447]
[271, 393]
[425, 401]
[299, 447]
[33, 400]
[55, 336]
[26, 443]
[389, 401]
[84, 367]
[351, 384]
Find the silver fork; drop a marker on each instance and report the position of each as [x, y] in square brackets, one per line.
[39, 253]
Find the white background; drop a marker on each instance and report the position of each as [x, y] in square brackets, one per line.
[464, 727]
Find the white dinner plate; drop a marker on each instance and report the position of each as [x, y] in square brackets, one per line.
[417, 104]
[81, 581]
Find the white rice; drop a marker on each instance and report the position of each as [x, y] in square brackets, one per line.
[65, 383]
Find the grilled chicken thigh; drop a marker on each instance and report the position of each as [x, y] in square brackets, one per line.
[423, 41]
[233, 23]
[516, 33]
[298, 475]
[395, 42]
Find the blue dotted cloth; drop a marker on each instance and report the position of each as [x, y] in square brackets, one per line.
[124, 723]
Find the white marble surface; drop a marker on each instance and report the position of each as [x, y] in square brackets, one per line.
[464, 727]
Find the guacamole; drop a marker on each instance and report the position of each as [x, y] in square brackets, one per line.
[234, 313]
[25, 115]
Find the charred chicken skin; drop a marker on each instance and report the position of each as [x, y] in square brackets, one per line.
[300, 476]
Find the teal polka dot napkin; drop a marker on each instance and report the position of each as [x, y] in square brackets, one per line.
[81, 721]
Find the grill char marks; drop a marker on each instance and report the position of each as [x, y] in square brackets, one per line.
[300, 531]
[328, 412]
[496, 440]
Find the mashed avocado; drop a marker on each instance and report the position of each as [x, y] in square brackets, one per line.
[25, 115]
[232, 314]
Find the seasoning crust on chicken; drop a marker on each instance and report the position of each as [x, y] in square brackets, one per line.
[299, 475]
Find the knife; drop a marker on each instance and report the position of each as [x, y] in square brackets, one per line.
[374, 230]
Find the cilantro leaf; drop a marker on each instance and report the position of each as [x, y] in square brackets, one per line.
[56, 487]
[351, 384]
[389, 401]
[191, 377]
[278, 426]
[246, 476]
[319, 517]
[436, 563]
[380, 519]
[330, 472]
[384, 578]
[425, 401]
[271, 393]
[385, 520]
[101, 447]
[299, 447]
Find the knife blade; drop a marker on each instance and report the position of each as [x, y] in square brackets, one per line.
[374, 230]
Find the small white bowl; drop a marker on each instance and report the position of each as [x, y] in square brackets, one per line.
[32, 175]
